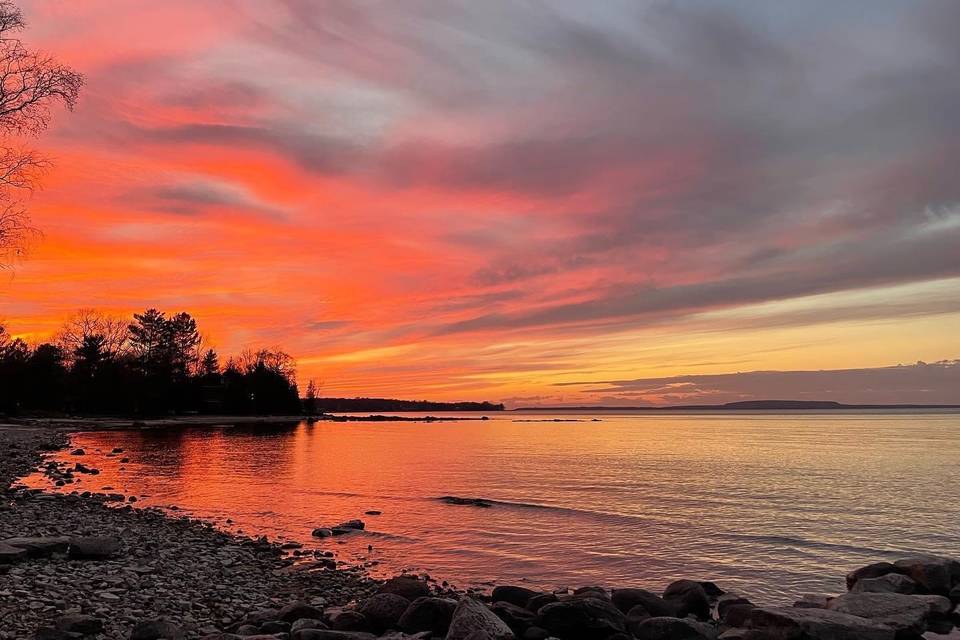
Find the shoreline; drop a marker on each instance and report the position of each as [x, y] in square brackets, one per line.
[160, 569]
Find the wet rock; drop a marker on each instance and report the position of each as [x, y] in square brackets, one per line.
[513, 594]
[158, 629]
[728, 600]
[737, 615]
[582, 618]
[471, 502]
[904, 613]
[674, 629]
[689, 598]
[94, 548]
[791, 623]
[321, 532]
[538, 601]
[635, 616]
[348, 527]
[296, 610]
[933, 574]
[472, 616]
[383, 610]
[9, 554]
[78, 452]
[519, 619]
[889, 583]
[409, 587]
[874, 570]
[813, 601]
[627, 599]
[349, 620]
[274, 627]
[428, 614]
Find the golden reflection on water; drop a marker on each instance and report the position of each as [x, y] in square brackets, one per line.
[775, 505]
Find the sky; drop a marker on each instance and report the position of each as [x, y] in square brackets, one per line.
[533, 202]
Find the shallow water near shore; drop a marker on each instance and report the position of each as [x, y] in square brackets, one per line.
[771, 504]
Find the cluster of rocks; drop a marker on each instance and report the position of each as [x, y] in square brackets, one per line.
[341, 529]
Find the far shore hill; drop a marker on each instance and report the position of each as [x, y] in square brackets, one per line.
[749, 405]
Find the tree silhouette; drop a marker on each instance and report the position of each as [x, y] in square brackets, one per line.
[30, 83]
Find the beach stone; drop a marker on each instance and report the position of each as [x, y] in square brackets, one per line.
[538, 601]
[428, 614]
[79, 623]
[662, 628]
[307, 623]
[383, 610]
[536, 633]
[791, 623]
[689, 597]
[349, 620]
[519, 596]
[258, 617]
[874, 570]
[158, 629]
[585, 618]
[627, 599]
[955, 594]
[40, 547]
[518, 618]
[933, 574]
[472, 616]
[321, 532]
[409, 587]
[728, 600]
[274, 627]
[889, 583]
[635, 616]
[94, 548]
[296, 610]
[591, 592]
[901, 612]
[737, 615]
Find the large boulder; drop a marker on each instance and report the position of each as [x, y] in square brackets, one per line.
[903, 613]
[519, 596]
[94, 548]
[383, 610]
[349, 620]
[540, 600]
[428, 614]
[662, 628]
[874, 570]
[889, 583]
[729, 600]
[519, 619]
[582, 619]
[296, 610]
[689, 598]
[791, 623]
[158, 629]
[409, 587]
[627, 599]
[472, 616]
[935, 575]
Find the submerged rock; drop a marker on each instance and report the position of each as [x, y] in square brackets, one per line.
[471, 502]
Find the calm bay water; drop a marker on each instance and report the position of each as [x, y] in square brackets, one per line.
[774, 505]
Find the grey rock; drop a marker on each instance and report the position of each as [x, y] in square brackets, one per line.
[901, 612]
[9, 554]
[473, 616]
[538, 601]
[889, 583]
[40, 547]
[627, 599]
[409, 587]
[296, 610]
[519, 596]
[307, 623]
[518, 618]
[428, 614]
[689, 598]
[874, 570]
[933, 574]
[586, 618]
[791, 623]
[383, 610]
[662, 628]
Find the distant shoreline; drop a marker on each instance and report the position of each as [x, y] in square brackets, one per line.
[751, 405]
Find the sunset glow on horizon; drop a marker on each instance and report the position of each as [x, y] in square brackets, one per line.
[540, 204]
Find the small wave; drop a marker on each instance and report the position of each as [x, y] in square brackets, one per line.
[810, 544]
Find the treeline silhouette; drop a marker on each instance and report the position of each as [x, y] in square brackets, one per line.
[153, 364]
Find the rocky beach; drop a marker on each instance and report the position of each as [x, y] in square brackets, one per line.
[87, 565]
